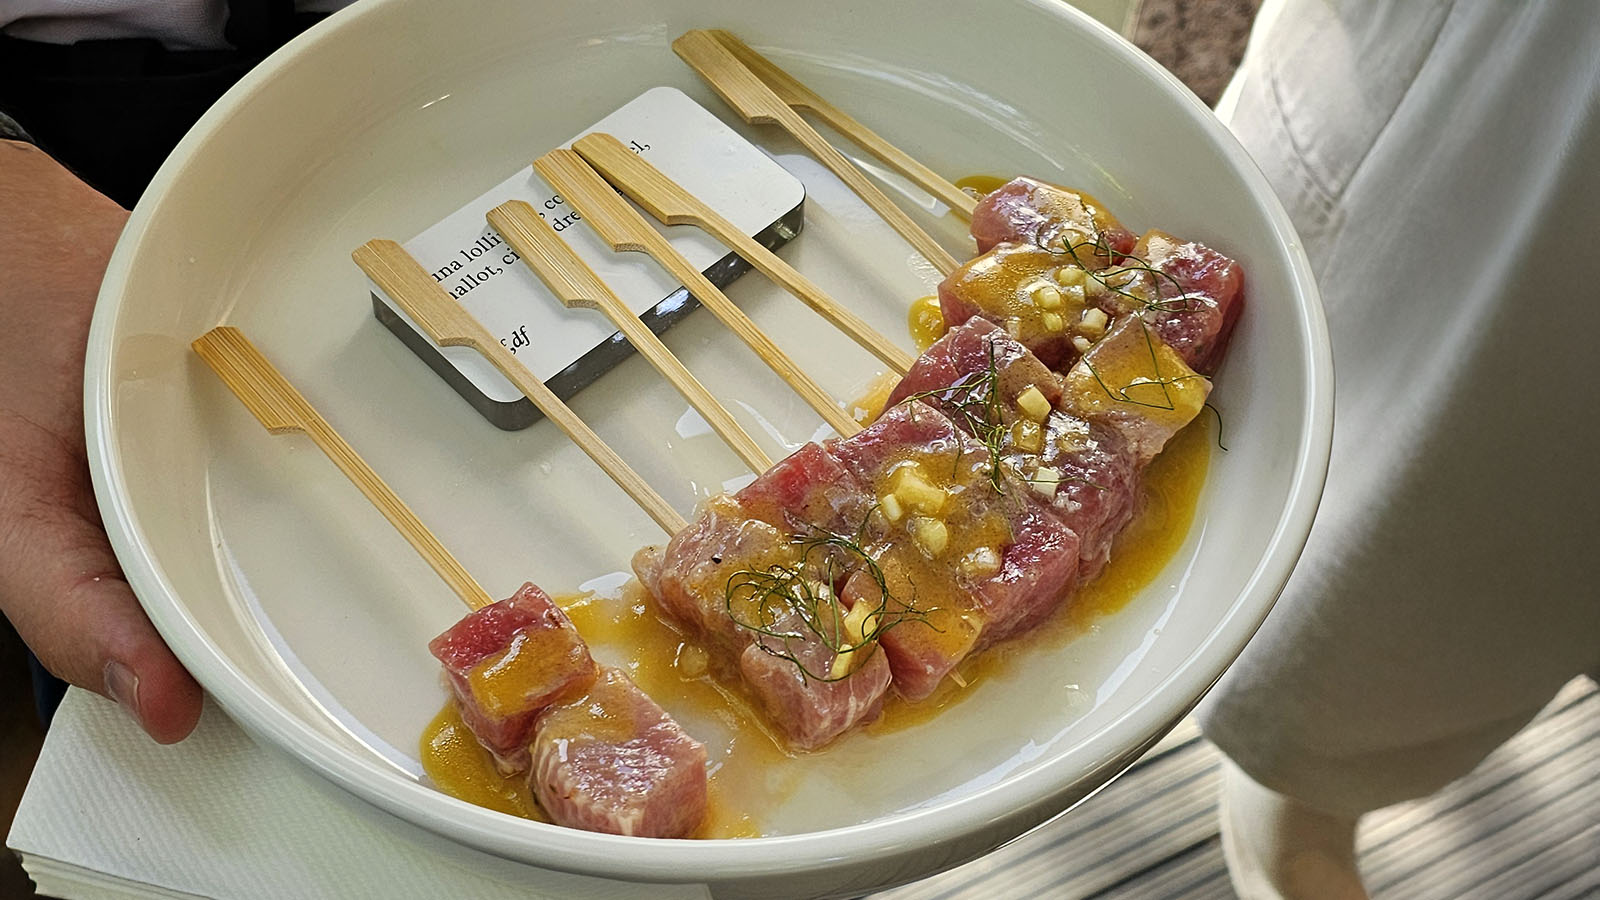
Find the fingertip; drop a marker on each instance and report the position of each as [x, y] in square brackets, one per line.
[166, 700]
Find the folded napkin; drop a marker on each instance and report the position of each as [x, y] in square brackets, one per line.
[110, 814]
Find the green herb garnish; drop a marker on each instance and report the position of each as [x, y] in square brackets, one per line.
[798, 601]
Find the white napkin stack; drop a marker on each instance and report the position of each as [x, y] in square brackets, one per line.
[110, 814]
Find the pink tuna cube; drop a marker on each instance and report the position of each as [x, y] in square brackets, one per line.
[505, 663]
[613, 761]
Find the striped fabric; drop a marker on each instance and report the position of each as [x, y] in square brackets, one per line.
[1525, 825]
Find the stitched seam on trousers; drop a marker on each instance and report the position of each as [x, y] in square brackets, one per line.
[1355, 171]
[1324, 198]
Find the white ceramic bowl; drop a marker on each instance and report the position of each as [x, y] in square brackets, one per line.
[306, 617]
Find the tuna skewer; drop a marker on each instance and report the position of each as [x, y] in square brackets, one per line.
[576, 285]
[523, 677]
[758, 105]
[670, 204]
[442, 318]
[625, 230]
[800, 97]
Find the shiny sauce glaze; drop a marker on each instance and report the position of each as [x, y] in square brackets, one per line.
[926, 321]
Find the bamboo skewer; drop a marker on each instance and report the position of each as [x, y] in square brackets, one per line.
[625, 230]
[576, 285]
[442, 318]
[758, 105]
[798, 96]
[668, 202]
[283, 410]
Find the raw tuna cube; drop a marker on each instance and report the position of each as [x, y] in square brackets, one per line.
[1088, 477]
[953, 373]
[793, 678]
[1028, 211]
[507, 661]
[963, 562]
[805, 491]
[1135, 383]
[1192, 303]
[1082, 471]
[1038, 297]
[691, 579]
[615, 762]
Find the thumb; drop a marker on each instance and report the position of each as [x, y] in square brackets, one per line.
[75, 611]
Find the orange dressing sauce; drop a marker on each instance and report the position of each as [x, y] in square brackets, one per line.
[869, 406]
[458, 765]
[980, 184]
[926, 321]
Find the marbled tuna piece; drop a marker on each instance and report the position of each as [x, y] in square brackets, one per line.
[1082, 471]
[963, 564]
[689, 577]
[1088, 477]
[506, 662]
[953, 374]
[696, 580]
[805, 491]
[613, 761]
[1038, 297]
[1134, 383]
[1028, 211]
[1192, 303]
[793, 677]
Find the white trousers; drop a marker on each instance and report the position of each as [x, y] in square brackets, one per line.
[1441, 161]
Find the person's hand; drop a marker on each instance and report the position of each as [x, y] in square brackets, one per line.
[59, 583]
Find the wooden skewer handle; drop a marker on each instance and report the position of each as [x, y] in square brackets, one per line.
[668, 202]
[442, 318]
[797, 96]
[575, 284]
[625, 230]
[757, 104]
[282, 409]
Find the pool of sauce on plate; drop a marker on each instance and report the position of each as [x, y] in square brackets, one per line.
[926, 321]
[980, 184]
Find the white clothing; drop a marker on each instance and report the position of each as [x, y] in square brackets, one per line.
[1441, 161]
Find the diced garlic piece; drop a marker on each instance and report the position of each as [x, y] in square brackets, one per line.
[1093, 323]
[1070, 276]
[1045, 481]
[842, 664]
[1081, 343]
[1027, 436]
[1033, 404]
[889, 505]
[915, 491]
[1014, 327]
[1046, 297]
[693, 661]
[1053, 322]
[931, 535]
[859, 622]
[981, 563]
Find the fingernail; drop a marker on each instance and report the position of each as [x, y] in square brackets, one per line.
[123, 686]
